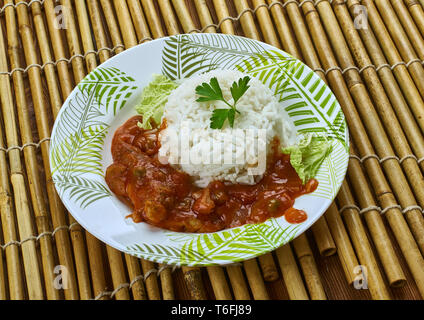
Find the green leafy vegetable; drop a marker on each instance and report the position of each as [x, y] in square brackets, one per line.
[212, 92]
[153, 100]
[308, 155]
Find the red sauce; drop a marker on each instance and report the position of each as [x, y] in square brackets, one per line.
[165, 197]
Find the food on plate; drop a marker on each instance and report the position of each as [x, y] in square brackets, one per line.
[257, 122]
[212, 152]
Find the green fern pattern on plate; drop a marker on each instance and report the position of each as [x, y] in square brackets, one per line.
[81, 130]
[227, 246]
[330, 173]
[111, 86]
[184, 56]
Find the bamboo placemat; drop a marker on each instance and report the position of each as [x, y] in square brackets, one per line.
[370, 52]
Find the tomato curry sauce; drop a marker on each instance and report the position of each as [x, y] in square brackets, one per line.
[165, 197]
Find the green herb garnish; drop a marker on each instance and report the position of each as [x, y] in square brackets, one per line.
[212, 92]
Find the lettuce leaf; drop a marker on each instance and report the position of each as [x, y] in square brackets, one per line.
[153, 100]
[308, 155]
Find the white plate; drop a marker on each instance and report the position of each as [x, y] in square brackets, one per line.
[105, 99]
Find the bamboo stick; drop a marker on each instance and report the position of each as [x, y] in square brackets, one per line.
[398, 34]
[247, 22]
[29, 252]
[376, 226]
[64, 252]
[409, 26]
[266, 23]
[151, 280]
[375, 280]
[72, 36]
[139, 20]
[255, 280]
[306, 46]
[168, 16]
[125, 23]
[193, 279]
[85, 31]
[13, 259]
[49, 70]
[345, 250]
[222, 13]
[204, 15]
[219, 283]
[184, 16]
[417, 12]
[118, 273]
[309, 268]
[268, 267]
[134, 272]
[66, 82]
[167, 283]
[23, 213]
[153, 18]
[112, 25]
[238, 282]
[96, 260]
[3, 290]
[57, 210]
[291, 275]
[323, 238]
[98, 28]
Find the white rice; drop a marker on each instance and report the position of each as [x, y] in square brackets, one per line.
[259, 110]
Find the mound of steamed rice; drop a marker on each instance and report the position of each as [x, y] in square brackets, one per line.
[199, 150]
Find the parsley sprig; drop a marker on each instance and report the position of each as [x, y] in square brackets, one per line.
[212, 92]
